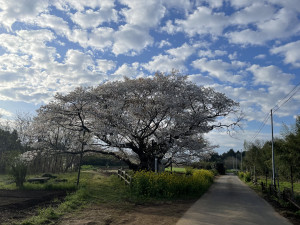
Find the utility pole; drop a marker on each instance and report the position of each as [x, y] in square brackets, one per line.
[236, 164]
[273, 158]
[241, 159]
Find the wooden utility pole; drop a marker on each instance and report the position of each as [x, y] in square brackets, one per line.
[273, 158]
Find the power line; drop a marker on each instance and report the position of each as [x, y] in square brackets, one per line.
[262, 125]
[283, 101]
[286, 98]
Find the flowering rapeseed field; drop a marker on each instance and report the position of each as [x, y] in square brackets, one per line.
[170, 185]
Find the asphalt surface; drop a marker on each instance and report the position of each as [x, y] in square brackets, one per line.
[230, 201]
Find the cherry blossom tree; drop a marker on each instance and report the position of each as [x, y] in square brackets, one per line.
[160, 117]
[140, 120]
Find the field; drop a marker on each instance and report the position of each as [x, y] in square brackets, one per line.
[176, 169]
[101, 199]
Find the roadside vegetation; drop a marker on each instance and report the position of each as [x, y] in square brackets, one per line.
[99, 188]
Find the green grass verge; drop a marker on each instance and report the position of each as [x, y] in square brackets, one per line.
[101, 190]
[176, 169]
[94, 189]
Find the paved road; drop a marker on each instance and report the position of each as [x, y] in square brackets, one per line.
[230, 201]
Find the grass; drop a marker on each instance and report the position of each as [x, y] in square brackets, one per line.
[282, 184]
[101, 190]
[95, 188]
[6, 182]
[176, 169]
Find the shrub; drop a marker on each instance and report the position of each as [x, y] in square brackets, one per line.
[188, 171]
[18, 172]
[168, 185]
[241, 175]
[246, 176]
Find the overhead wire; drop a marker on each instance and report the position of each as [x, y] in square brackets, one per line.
[262, 125]
[286, 98]
[283, 101]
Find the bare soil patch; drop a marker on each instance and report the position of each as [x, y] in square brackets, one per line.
[149, 214]
[19, 204]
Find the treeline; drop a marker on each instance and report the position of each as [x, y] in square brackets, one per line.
[10, 147]
[258, 157]
[41, 161]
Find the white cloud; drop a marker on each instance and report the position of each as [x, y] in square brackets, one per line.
[144, 14]
[164, 63]
[4, 112]
[170, 28]
[126, 70]
[65, 5]
[211, 54]
[104, 65]
[182, 52]
[219, 69]
[260, 56]
[290, 51]
[201, 80]
[21, 10]
[131, 39]
[92, 19]
[163, 43]
[178, 4]
[59, 25]
[203, 21]
[100, 38]
[283, 24]
[270, 75]
[254, 13]
[174, 60]
[241, 3]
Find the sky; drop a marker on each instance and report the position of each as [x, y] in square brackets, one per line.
[247, 49]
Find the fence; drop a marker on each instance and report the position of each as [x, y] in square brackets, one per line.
[286, 194]
[124, 176]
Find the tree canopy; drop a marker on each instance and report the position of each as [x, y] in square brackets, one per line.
[136, 120]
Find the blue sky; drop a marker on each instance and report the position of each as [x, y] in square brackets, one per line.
[247, 49]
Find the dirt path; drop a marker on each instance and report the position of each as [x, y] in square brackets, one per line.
[229, 201]
[19, 204]
[162, 214]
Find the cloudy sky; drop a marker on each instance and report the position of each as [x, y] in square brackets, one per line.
[247, 49]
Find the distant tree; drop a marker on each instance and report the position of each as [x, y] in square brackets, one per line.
[10, 145]
[62, 125]
[289, 153]
[251, 159]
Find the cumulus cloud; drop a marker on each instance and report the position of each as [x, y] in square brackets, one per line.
[219, 69]
[175, 59]
[163, 43]
[252, 14]
[203, 21]
[66, 5]
[131, 39]
[283, 24]
[211, 53]
[4, 112]
[104, 65]
[144, 14]
[92, 19]
[269, 75]
[290, 52]
[22, 10]
[58, 24]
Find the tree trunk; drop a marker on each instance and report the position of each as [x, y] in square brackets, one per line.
[292, 180]
[79, 168]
